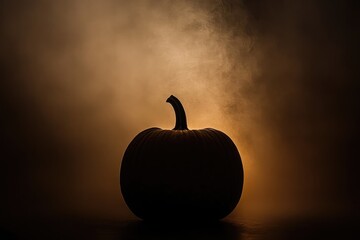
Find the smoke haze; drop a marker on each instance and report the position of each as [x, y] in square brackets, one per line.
[81, 78]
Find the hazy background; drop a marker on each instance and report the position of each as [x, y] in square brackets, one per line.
[79, 79]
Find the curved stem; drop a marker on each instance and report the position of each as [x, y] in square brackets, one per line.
[179, 113]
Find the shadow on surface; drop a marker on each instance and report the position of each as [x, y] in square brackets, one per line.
[165, 230]
[298, 228]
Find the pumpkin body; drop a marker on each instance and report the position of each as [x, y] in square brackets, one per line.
[181, 174]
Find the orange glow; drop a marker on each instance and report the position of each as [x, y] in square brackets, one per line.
[93, 74]
[133, 64]
[114, 68]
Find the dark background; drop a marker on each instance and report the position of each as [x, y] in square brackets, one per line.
[80, 79]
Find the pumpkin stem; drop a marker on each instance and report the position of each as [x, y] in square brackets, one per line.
[179, 113]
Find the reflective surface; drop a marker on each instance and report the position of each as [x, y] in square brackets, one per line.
[226, 230]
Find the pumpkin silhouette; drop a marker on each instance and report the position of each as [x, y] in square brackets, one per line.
[181, 173]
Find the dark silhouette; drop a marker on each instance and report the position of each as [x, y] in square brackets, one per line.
[180, 173]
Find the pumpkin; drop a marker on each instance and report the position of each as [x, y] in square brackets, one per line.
[181, 173]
